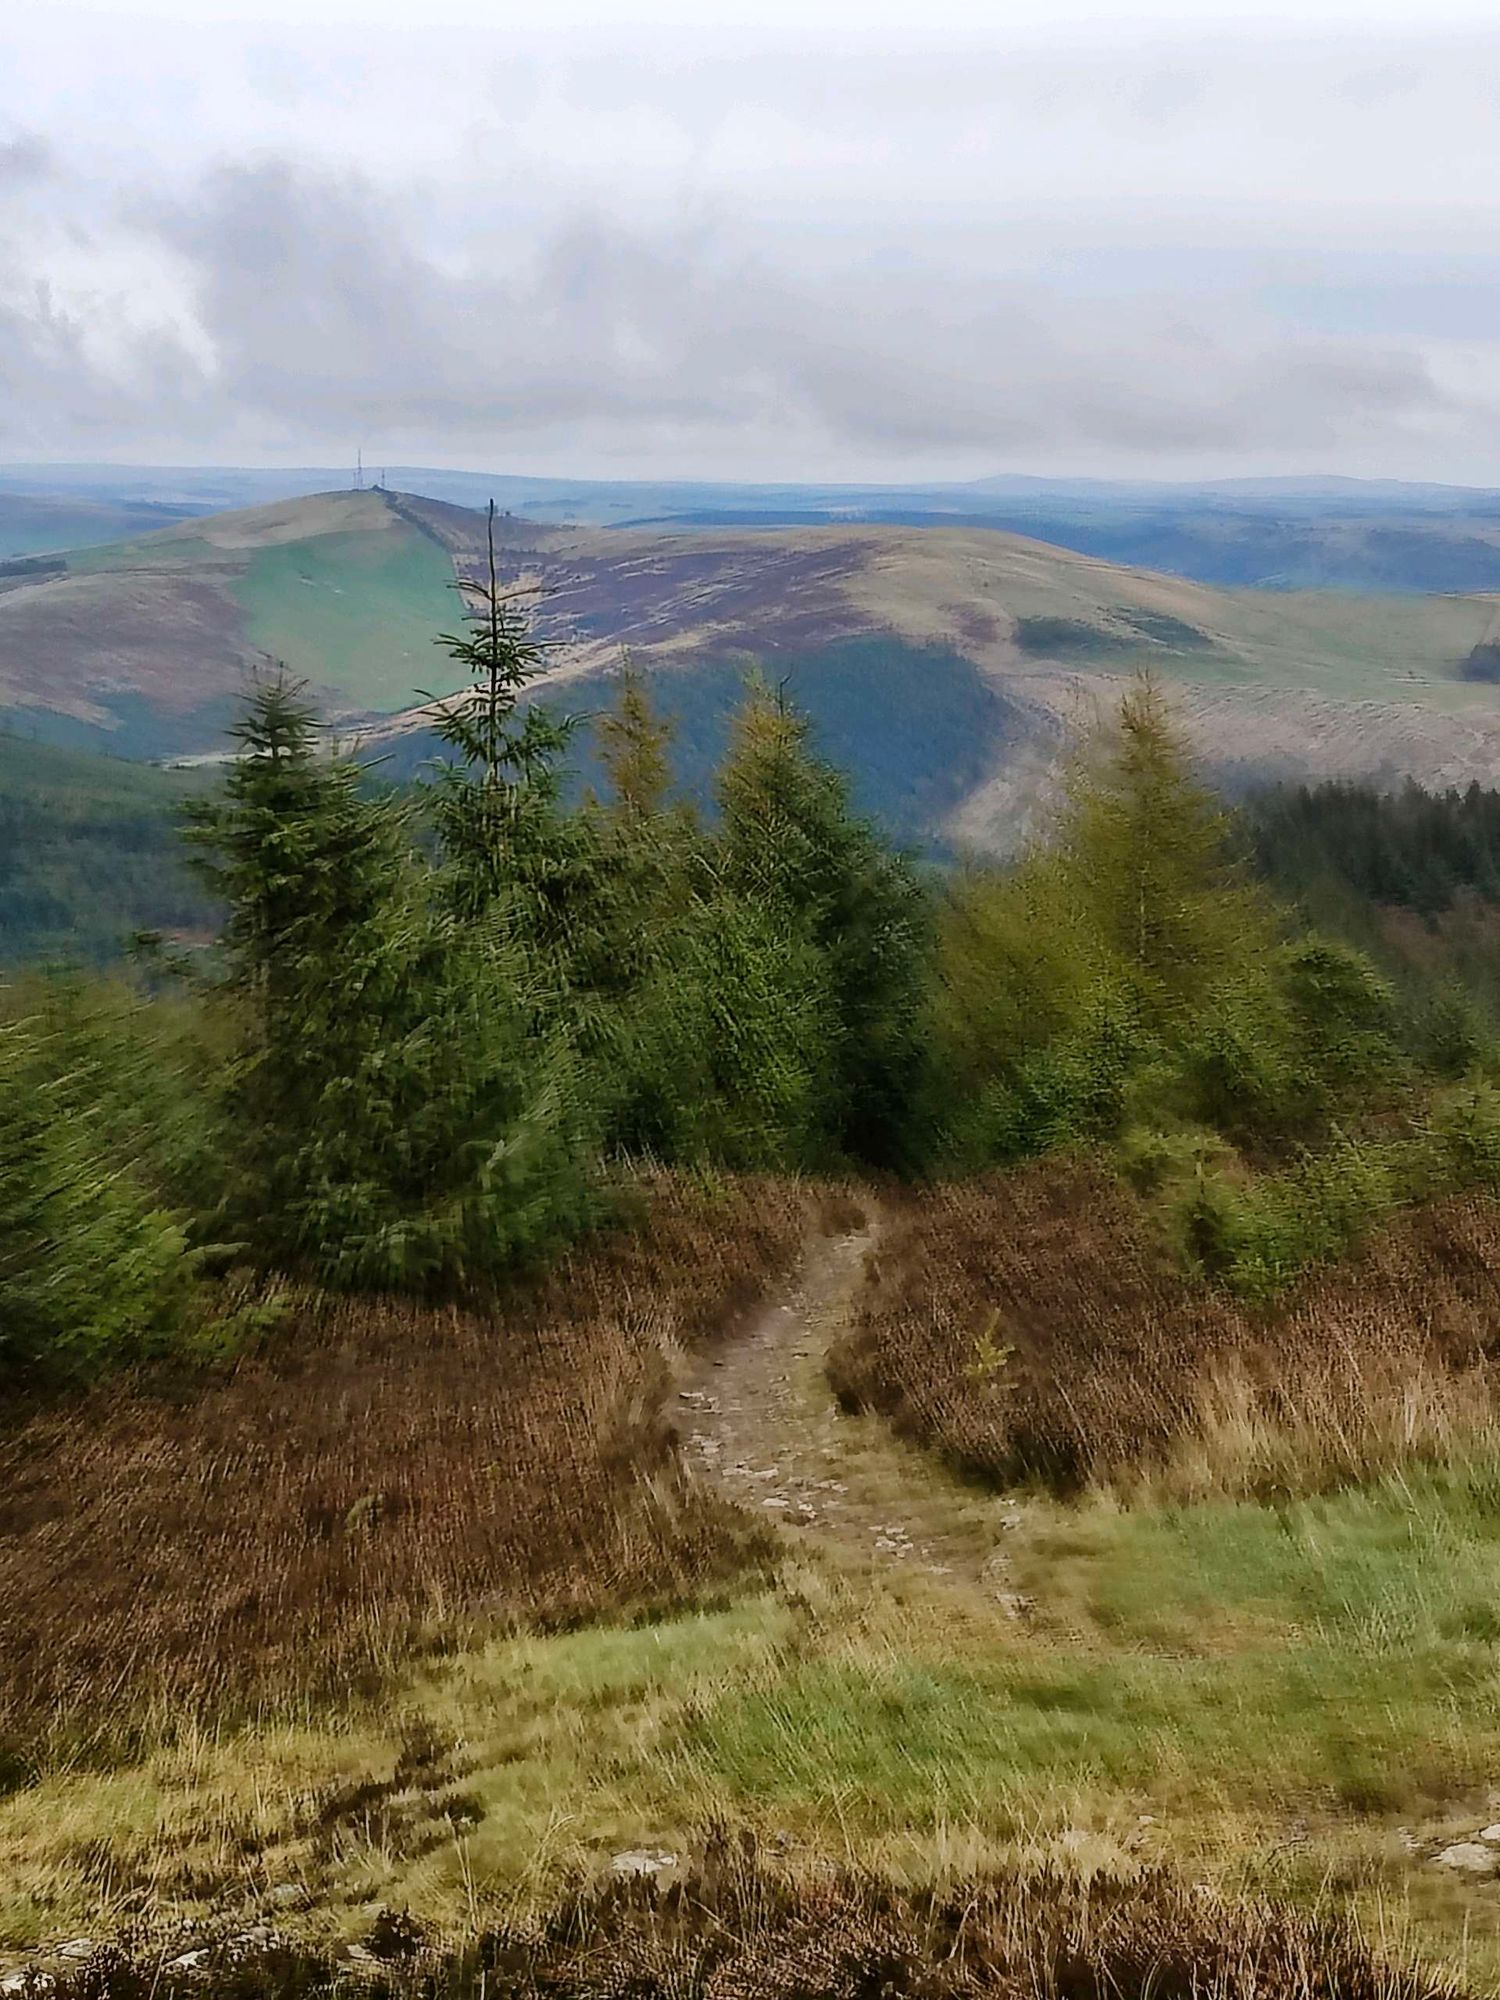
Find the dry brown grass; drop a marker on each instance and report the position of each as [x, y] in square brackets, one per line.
[1034, 1325]
[737, 1930]
[377, 1477]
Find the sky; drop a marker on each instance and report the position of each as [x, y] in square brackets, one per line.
[707, 239]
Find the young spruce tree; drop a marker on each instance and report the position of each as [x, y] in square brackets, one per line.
[393, 1118]
[791, 846]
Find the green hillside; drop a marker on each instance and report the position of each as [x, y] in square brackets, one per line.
[89, 855]
[357, 613]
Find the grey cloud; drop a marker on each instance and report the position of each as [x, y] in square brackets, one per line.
[330, 319]
[26, 158]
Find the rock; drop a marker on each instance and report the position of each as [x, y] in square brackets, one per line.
[1470, 1857]
[1492, 1833]
[190, 1961]
[287, 1895]
[76, 1948]
[28, 1980]
[642, 1861]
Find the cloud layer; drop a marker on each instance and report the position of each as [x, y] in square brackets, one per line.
[753, 256]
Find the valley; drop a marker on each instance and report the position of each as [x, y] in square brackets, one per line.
[1000, 644]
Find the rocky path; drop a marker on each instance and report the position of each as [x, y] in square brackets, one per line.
[760, 1422]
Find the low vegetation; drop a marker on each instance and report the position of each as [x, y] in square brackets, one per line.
[1037, 1325]
[740, 1926]
[346, 1546]
[373, 1479]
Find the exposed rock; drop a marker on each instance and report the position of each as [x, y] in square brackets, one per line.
[1492, 1833]
[641, 1861]
[1470, 1857]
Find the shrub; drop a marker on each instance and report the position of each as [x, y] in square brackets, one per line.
[92, 1269]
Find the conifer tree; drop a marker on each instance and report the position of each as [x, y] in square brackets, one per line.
[394, 1117]
[508, 847]
[633, 748]
[1145, 848]
[791, 844]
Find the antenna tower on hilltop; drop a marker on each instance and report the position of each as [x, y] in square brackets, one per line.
[359, 470]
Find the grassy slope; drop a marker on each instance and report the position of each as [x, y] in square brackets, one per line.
[335, 585]
[1282, 1691]
[1285, 1697]
[357, 613]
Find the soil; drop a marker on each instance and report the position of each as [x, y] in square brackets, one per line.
[761, 1424]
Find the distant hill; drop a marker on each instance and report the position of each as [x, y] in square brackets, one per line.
[1384, 536]
[943, 665]
[32, 525]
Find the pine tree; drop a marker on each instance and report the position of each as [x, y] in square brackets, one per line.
[791, 844]
[495, 803]
[633, 748]
[394, 1115]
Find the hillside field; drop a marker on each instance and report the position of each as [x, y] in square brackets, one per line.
[944, 665]
[1291, 1698]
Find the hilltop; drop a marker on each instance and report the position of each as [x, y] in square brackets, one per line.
[942, 664]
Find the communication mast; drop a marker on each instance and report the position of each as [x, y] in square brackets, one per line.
[359, 470]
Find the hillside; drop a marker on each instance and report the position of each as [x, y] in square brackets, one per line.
[90, 855]
[942, 665]
[1386, 536]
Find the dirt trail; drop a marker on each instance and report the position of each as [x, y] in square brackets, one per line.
[760, 1422]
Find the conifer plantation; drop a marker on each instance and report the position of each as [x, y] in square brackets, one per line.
[350, 1269]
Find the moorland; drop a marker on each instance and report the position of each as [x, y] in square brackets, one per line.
[613, 1390]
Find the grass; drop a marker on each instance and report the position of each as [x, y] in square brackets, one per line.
[357, 613]
[1278, 1690]
[1294, 1696]
[740, 1924]
[1038, 1325]
[379, 1479]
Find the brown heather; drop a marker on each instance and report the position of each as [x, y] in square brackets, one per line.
[1036, 1325]
[375, 1478]
[736, 1930]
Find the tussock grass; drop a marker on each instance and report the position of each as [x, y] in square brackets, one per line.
[1034, 1325]
[378, 1479]
[738, 1929]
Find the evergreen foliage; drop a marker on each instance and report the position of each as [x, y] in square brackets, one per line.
[440, 1020]
[1405, 848]
[89, 856]
[93, 1268]
[494, 801]
[790, 844]
[392, 1117]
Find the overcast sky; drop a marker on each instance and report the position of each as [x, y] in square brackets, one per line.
[816, 240]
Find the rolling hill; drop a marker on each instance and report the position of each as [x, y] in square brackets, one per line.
[941, 665]
[1384, 536]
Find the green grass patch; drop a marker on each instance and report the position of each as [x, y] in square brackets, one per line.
[357, 613]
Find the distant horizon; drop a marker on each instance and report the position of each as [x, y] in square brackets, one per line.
[378, 475]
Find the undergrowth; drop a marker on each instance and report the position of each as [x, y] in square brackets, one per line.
[377, 1477]
[1039, 1325]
